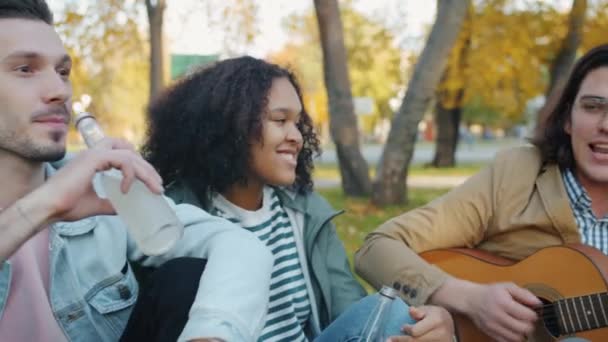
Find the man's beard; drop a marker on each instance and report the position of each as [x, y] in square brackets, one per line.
[27, 149]
[47, 155]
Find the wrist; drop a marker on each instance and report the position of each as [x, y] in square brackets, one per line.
[35, 209]
[455, 295]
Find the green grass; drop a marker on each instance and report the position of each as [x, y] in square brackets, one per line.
[330, 171]
[361, 217]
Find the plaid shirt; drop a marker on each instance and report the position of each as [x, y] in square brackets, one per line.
[594, 232]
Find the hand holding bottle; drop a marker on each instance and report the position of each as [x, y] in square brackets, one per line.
[152, 223]
[69, 195]
[433, 324]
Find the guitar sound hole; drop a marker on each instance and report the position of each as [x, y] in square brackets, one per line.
[549, 320]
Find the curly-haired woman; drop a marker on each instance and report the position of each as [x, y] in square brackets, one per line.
[235, 139]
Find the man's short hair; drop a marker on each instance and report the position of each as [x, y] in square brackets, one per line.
[26, 9]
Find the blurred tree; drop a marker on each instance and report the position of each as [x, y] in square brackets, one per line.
[596, 25]
[509, 53]
[450, 95]
[354, 170]
[390, 183]
[156, 12]
[109, 61]
[237, 20]
[564, 60]
[374, 59]
[495, 67]
[374, 63]
[115, 62]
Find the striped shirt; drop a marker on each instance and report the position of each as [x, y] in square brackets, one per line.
[594, 232]
[289, 308]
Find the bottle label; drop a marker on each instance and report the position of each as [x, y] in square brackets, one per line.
[91, 134]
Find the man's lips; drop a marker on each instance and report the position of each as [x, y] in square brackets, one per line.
[55, 122]
[599, 147]
[58, 119]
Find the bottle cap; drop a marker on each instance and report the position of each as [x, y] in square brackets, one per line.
[389, 292]
[82, 115]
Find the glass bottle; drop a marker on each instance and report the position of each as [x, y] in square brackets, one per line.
[373, 331]
[151, 221]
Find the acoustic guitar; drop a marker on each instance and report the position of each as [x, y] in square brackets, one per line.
[571, 281]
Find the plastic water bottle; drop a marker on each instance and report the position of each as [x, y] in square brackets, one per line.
[373, 331]
[150, 219]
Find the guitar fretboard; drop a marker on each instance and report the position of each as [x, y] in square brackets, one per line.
[581, 313]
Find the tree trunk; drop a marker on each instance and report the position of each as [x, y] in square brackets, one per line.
[156, 10]
[390, 184]
[560, 67]
[343, 122]
[448, 122]
[448, 118]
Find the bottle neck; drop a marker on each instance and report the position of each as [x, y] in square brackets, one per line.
[90, 130]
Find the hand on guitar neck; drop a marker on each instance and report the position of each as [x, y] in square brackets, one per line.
[504, 311]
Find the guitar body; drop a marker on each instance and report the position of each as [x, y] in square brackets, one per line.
[551, 273]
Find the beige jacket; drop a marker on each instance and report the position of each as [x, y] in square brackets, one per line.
[511, 208]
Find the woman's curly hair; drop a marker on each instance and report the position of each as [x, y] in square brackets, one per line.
[200, 130]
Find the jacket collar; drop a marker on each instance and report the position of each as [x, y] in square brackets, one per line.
[310, 203]
[291, 199]
[180, 192]
[49, 170]
[556, 201]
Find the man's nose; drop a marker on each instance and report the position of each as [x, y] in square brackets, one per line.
[56, 88]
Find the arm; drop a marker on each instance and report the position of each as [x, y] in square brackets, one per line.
[21, 221]
[233, 293]
[69, 196]
[457, 219]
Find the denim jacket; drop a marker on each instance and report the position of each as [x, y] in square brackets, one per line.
[93, 289]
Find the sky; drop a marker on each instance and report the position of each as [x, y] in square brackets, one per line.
[191, 33]
[188, 30]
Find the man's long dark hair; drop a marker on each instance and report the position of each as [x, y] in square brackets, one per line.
[200, 130]
[553, 141]
[26, 9]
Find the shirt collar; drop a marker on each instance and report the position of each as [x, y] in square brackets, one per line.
[576, 192]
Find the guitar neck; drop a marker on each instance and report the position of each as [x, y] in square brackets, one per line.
[576, 314]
